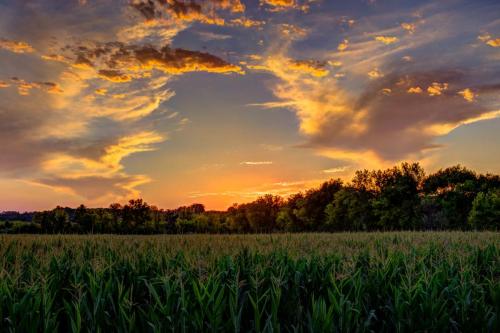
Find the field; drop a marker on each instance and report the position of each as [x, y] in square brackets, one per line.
[393, 282]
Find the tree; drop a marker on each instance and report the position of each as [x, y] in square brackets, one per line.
[454, 190]
[61, 220]
[116, 212]
[485, 212]
[237, 220]
[135, 214]
[396, 204]
[310, 210]
[261, 214]
[83, 217]
[349, 210]
[447, 179]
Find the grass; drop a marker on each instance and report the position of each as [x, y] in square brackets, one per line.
[393, 282]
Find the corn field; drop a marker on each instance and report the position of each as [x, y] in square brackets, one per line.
[381, 282]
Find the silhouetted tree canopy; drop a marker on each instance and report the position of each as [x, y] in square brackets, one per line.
[398, 198]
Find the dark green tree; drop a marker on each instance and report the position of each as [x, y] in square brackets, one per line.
[485, 212]
[349, 210]
[396, 204]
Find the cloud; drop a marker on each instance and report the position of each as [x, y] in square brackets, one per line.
[310, 67]
[256, 163]
[24, 87]
[391, 119]
[387, 40]
[118, 62]
[205, 11]
[410, 27]
[488, 40]
[55, 57]
[284, 5]
[246, 22]
[114, 76]
[375, 74]
[468, 95]
[436, 88]
[414, 90]
[343, 45]
[494, 42]
[103, 176]
[15, 46]
[398, 126]
[336, 170]
[207, 36]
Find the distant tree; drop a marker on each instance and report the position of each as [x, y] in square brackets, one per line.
[135, 213]
[310, 211]
[237, 220]
[45, 220]
[485, 212]
[396, 204]
[156, 215]
[454, 190]
[196, 208]
[349, 210]
[447, 179]
[433, 217]
[116, 212]
[61, 220]
[185, 225]
[261, 214]
[84, 219]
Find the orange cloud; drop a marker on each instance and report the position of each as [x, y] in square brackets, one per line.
[343, 45]
[179, 61]
[15, 46]
[436, 88]
[494, 42]
[387, 40]
[414, 90]
[24, 87]
[118, 62]
[468, 95]
[189, 11]
[101, 91]
[312, 67]
[246, 22]
[279, 3]
[410, 27]
[488, 40]
[114, 76]
[55, 57]
[375, 74]
[128, 145]
[292, 31]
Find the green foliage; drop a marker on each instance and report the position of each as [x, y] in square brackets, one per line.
[388, 282]
[485, 212]
[349, 210]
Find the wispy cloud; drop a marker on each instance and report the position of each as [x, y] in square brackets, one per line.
[256, 163]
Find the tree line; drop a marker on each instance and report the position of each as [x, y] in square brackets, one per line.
[398, 198]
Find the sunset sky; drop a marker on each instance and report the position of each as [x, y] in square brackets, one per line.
[219, 101]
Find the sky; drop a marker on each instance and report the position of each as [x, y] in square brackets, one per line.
[220, 101]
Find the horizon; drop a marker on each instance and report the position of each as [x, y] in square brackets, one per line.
[221, 101]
